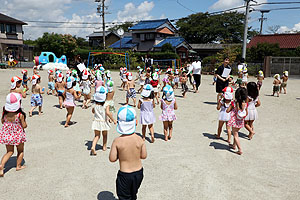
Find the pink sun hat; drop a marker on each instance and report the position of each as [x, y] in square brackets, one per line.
[13, 102]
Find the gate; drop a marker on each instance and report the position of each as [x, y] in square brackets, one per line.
[280, 64]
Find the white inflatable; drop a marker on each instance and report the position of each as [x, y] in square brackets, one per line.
[52, 66]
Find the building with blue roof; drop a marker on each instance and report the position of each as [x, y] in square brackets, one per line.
[151, 35]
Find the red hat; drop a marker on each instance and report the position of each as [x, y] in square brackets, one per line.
[24, 71]
[60, 77]
[228, 89]
[34, 79]
[14, 81]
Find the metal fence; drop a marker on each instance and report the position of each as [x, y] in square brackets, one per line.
[280, 64]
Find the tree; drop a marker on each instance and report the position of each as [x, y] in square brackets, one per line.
[81, 42]
[273, 29]
[125, 26]
[167, 48]
[206, 28]
[58, 44]
[261, 50]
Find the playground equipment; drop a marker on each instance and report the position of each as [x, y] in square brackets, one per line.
[127, 61]
[12, 62]
[48, 60]
[168, 63]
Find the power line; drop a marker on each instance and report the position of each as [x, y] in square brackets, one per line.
[185, 7]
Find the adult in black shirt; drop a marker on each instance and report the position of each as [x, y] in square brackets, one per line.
[222, 81]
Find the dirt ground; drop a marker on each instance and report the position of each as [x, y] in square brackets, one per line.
[193, 165]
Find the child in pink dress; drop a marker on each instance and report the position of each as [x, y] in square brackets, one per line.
[168, 105]
[12, 132]
[238, 112]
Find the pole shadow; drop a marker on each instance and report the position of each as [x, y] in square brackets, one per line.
[106, 195]
[12, 163]
[297, 98]
[210, 103]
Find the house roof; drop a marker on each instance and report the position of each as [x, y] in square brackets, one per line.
[10, 20]
[126, 43]
[174, 41]
[100, 34]
[149, 24]
[212, 46]
[285, 41]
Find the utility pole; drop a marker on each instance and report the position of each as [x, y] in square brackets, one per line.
[262, 19]
[101, 10]
[246, 28]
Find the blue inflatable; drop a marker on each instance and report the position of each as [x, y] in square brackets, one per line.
[49, 57]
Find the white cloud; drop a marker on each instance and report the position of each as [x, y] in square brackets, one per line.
[227, 4]
[48, 10]
[132, 12]
[285, 29]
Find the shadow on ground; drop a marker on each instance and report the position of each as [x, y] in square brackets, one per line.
[70, 124]
[12, 163]
[210, 103]
[106, 195]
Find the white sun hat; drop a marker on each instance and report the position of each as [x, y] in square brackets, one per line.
[228, 89]
[85, 74]
[110, 86]
[70, 82]
[13, 102]
[34, 79]
[286, 73]
[129, 76]
[126, 120]
[14, 81]
[168, 92]
[155, 76]
[60, 77]
[100, 94]
[228, 95]
[147, 90]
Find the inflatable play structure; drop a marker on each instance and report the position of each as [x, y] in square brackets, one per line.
[48, 60]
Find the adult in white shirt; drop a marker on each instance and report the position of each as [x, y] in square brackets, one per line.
[197, 73]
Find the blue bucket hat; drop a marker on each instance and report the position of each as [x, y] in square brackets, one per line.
[126, 120]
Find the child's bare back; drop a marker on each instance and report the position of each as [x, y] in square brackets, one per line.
[285, 79]
[51, 78]
[277, 82]
[131, 84]
[110, 96]
[36, 89]
[60, 85]
[129, 149]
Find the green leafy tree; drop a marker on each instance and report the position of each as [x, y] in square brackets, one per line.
[206, 28]
[167, 48]
[58, 44]
[261, 50]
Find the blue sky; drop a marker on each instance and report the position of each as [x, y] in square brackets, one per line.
[130, 10]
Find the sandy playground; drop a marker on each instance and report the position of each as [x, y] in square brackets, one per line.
[193, 165]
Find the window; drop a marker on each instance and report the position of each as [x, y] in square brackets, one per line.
[11, 28]
[142, 37]
[149, 36]
[137, 35]
[2, 28]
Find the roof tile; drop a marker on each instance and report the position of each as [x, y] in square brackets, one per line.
[285, 41]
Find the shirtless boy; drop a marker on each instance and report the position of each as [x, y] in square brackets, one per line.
[183, 83]
[60, 86]
[276, 85]
[129, 148]
[284, 78]
[37, 91]
[131, 93]
[51, 85]
[260, 79]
